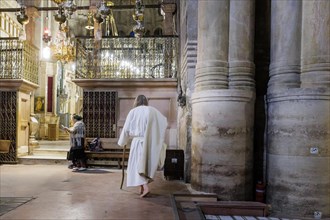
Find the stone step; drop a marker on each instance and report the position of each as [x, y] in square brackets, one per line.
[42, 159]
[51, 151]
[47, 152]
[58, 142]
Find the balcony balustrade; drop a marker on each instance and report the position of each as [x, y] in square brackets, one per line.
[127, 58]
[18, 60]
[110, 58]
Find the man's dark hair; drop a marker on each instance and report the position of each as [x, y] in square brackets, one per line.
[140, 100]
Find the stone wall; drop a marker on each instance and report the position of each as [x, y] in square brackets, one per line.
[161, 94]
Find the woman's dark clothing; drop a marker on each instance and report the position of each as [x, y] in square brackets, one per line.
[78, 153]
[77, 143]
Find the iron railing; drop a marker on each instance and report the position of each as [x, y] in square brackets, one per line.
[110, 58]
[127, 58]
[18, 60]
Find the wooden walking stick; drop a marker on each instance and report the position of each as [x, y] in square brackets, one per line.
[123, 168]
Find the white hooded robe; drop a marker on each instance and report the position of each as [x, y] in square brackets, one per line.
[147, 127]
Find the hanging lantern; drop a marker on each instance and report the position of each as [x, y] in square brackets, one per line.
[60, 17]
[22, 18]
[46, 35]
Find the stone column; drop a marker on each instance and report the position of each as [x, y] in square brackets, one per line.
[298, 172]
[315, 70]
[213, 38]
[285, 45]
[241, 39]
[222, 117]
[188, 42]
[168, 9]
[168, 26]
[30, 27]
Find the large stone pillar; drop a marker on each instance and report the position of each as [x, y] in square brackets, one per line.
[222, 116]
[212, 57]
[285, 45]
[241, 39]
[186, 79]
[315, 44]
[298, 171]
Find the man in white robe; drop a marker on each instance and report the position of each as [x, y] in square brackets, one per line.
[146, 125]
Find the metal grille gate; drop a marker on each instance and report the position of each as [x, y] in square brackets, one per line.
[8, 123]
[99, 113]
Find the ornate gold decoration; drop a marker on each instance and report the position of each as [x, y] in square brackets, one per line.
[110, 24]
[63, 48]
[19, 60]
[90, 22]
[59, 2]
[110, 3]
[127, 58]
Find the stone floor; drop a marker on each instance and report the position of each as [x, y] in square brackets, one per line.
[41, 187]
[58, 193]
[54, 192]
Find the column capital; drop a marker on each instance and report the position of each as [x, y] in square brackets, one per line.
[168, 8]
[32, 12]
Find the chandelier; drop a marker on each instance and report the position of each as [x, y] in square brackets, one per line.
[62, 47]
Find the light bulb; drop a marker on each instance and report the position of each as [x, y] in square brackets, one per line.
[46, 52]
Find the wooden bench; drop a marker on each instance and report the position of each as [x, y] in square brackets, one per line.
[112, 154]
